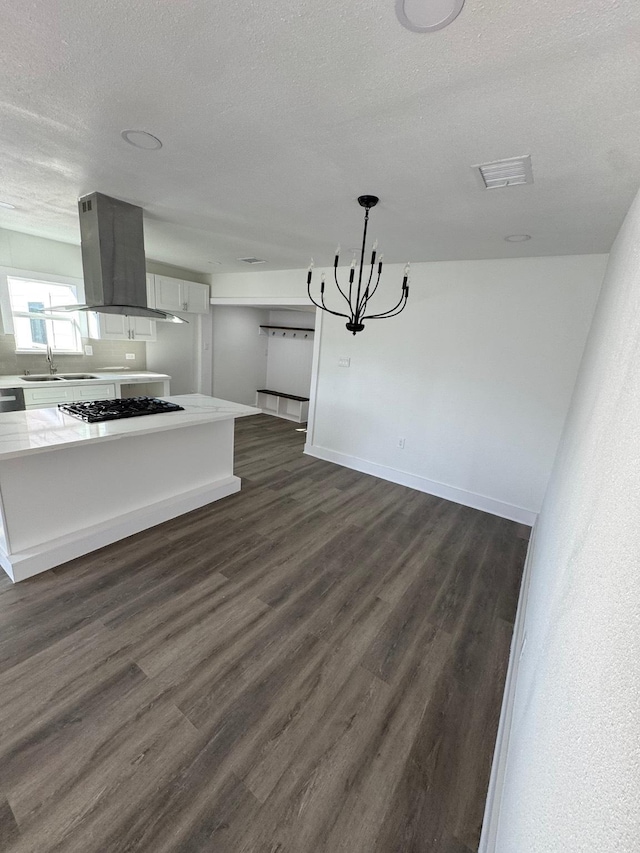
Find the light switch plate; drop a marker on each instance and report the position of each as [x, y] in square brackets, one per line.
[88, 349]
[344, 362]
[130, 356]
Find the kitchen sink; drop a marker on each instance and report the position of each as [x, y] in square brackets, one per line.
[70, 377]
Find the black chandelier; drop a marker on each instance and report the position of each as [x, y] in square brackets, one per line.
[357, 298]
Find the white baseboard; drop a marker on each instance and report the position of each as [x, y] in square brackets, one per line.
[422, 484]
[42, 557]
[496, 782]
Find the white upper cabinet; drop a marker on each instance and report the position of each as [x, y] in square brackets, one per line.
[142, 329]
[196, 297]
[174, 294]
[117, 327]
[111, 327]
[168, 294]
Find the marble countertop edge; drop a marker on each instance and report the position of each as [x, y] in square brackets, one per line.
[120, 376]
[43, 430]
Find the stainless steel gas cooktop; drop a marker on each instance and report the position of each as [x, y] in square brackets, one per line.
[111, 410]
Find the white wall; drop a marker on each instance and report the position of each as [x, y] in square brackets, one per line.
[573, 767]
[239, 353]
[37, 254]
[176, 352]
[275, 285]
[476, 375]
[289, 360]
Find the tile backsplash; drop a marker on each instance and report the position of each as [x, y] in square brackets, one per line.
[106, 354]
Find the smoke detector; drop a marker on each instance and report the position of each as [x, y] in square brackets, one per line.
[505, 173]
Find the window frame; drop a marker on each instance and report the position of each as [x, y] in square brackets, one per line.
[7, 315]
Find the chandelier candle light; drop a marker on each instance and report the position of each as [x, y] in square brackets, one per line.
[357, 298]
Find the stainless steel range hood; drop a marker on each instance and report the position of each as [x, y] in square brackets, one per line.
[113, 259]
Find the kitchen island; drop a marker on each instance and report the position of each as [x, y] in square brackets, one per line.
[68, 487]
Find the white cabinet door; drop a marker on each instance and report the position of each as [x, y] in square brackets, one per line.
[111, 327]
[41, 398]
[142, 329]
[196, 297]
[168, 293]
[175, 294]
[91, 391]
[117, 327]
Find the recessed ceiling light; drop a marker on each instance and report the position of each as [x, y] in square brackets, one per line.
[141, 139]
[425, 16]
[252, 260]
[518, 238]
[7, 206]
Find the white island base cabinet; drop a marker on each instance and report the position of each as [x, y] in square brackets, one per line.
[61, 503]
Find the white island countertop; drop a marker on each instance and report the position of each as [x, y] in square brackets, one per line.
[40, 430]
[122, 377]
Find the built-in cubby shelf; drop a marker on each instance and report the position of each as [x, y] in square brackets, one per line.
[288, 406]
[287, 332]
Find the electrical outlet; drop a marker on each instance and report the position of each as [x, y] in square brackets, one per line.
[344, 362]
[401, 443]
[88, 349]
[130, 356]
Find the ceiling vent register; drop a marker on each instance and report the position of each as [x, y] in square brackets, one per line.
[505, 173]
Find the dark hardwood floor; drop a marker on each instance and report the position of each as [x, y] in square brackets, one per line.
[314, 664]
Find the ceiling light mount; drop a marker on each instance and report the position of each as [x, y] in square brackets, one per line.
[358, 296]
[427, 16]
[368, 201]
[142, 139]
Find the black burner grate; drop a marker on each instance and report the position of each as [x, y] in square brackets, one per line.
[112, 410]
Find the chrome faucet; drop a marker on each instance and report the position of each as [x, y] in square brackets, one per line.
[52, 367]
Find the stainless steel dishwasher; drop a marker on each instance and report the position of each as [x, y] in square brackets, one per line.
[11, 400]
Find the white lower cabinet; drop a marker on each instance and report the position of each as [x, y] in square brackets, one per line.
[43, 398]
[117, 327]
[94, 392]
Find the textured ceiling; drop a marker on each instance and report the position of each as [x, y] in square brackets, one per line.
[276, 116]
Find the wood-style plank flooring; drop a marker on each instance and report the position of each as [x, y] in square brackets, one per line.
[314, 665]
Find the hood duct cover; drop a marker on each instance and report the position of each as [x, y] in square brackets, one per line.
[113, 259]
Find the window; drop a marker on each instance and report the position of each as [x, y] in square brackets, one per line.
[34, 326]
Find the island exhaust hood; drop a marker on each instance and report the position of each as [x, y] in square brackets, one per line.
[113, 259]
